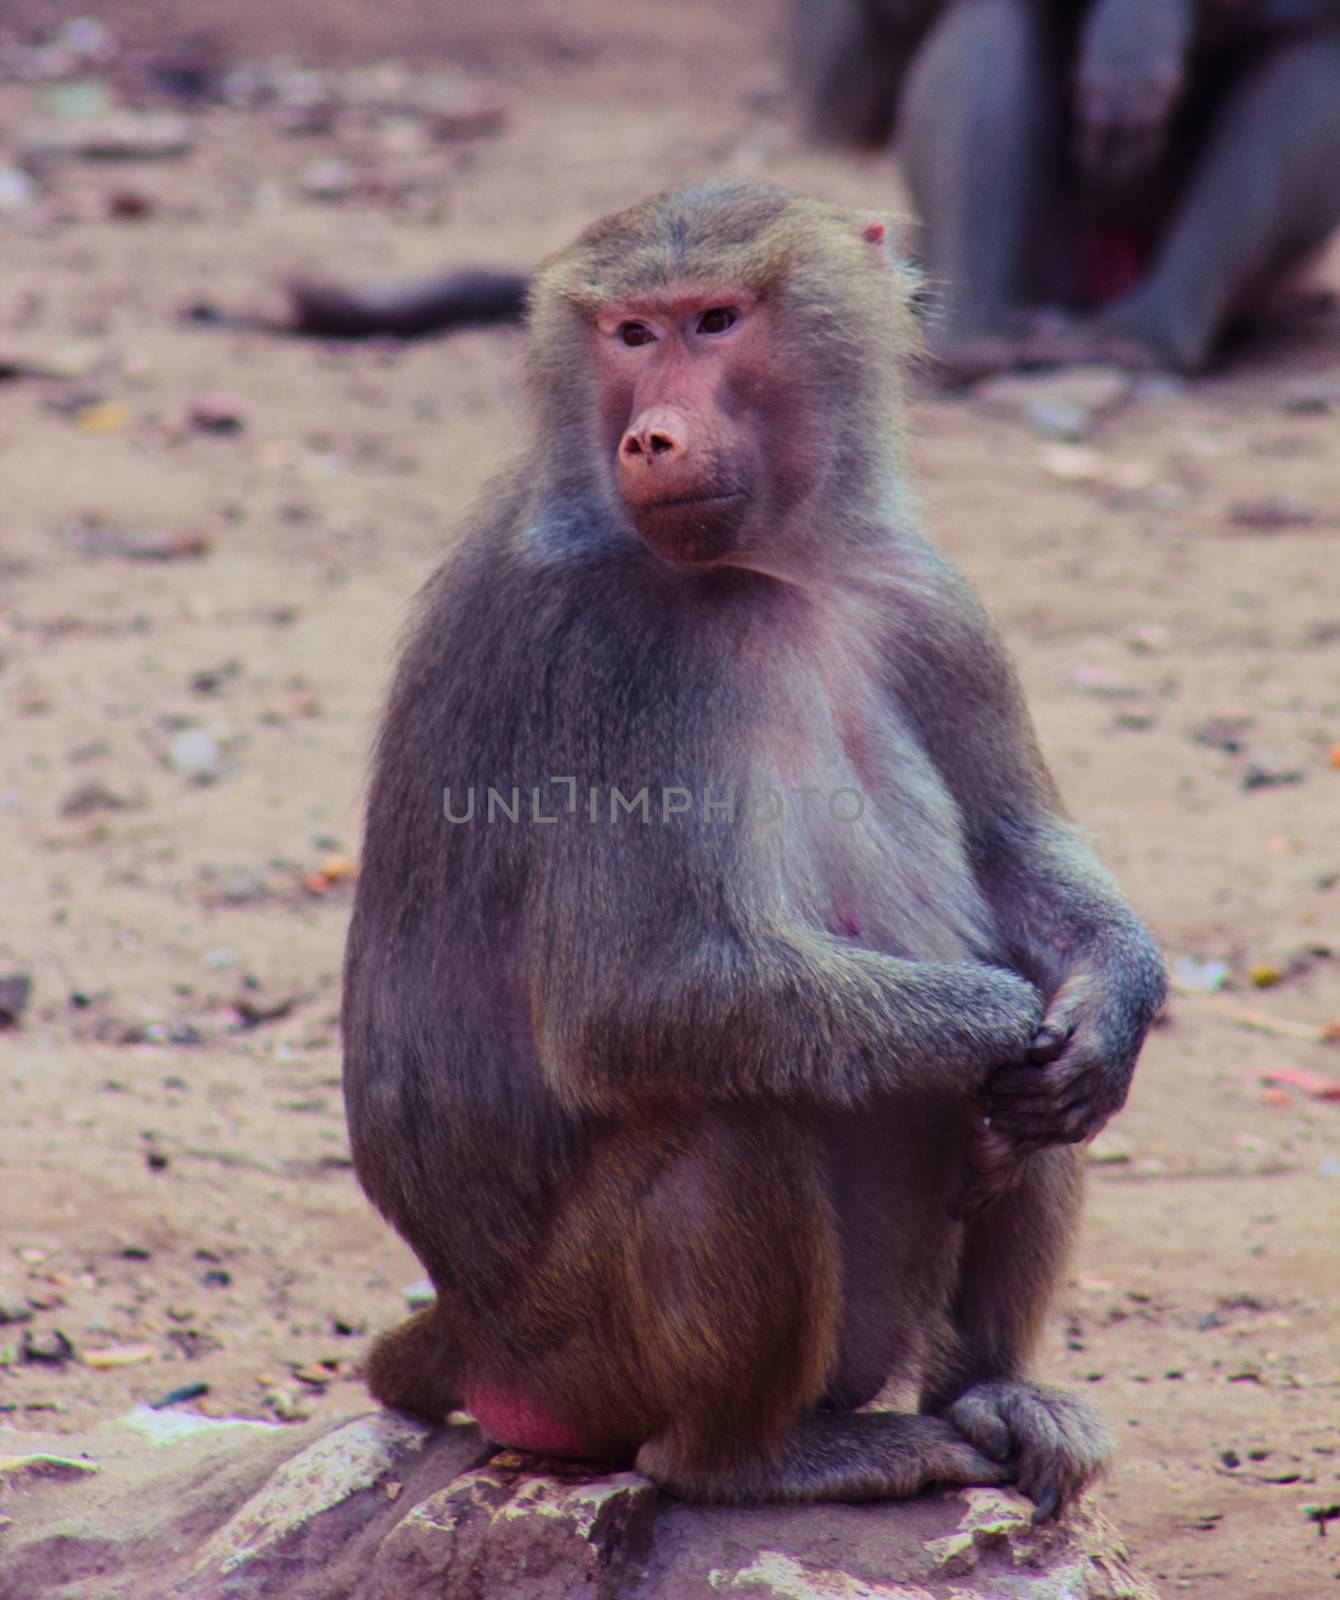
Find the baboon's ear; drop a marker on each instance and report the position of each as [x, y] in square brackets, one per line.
[875, 232]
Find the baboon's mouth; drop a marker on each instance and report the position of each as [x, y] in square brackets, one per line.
[717, 498]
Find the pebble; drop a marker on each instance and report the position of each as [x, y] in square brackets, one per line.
[1273, 512]
[50, 1349]
[87, 37]
[179, 1397]
[119, 136]
[217, 413]
[286, 1406]
[1057, 405]
[1204, 977]
[127, 204]
[1265, 774]
[327, 179]
[192, 750]
[16, 990]
[17, 189]
[1311, 396]
[90, 798]
[1110, 1149]
[13, 1309]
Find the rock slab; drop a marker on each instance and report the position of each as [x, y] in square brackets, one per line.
[171, 1506]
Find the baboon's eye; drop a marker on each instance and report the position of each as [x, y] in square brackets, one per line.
[635, 333]
[718, 319]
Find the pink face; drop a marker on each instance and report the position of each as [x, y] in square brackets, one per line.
[695, 415]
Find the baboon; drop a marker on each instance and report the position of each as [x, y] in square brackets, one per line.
[726, 993]
[1098, 180]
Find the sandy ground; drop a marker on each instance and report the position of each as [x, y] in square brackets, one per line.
[173, 1177]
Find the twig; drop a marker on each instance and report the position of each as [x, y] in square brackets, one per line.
[1263, 1021]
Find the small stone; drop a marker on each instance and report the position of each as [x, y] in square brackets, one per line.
[327, 179]
[17, 189]
[419, 1296]
[209, 680]
[1073, 463]
[119, 136]
[457, 111]
[1060, 419]
[78, 101]
[1223, 733]
[285, 1405]
[1201, 977]
[86, 37]
[1111, 1149]
[1271, 513]
[13, 1309]
[1311, 396]
[1057, 405]
[217, 413]
[90, 798]
[193, 751]
[1147, 638]
[1262, 773]
[16, 990]
[51, 1349]
[180, 1397]
[126, 204]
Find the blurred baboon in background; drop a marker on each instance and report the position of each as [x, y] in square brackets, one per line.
[1111, 180]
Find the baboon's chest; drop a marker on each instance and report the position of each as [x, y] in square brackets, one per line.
[867, 838]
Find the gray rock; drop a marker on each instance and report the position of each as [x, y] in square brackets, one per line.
[166, 1504]
[1058, 405]
[17, 189]
[192, 750]
[1314, 395]
[117, 136]
[14, 1308]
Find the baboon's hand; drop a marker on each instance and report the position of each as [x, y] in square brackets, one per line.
[992, 1015]
[1131, 70]
[1077, 1072]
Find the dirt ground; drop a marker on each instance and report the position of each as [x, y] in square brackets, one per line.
[173, 1166]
